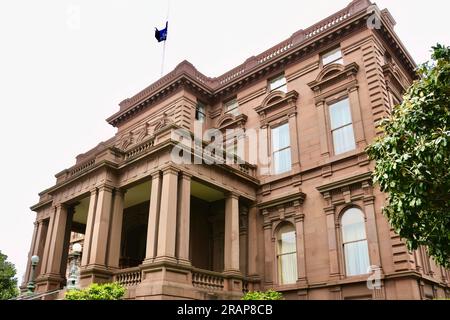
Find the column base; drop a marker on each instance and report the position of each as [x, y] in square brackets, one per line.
[48, 282]
[95, 274]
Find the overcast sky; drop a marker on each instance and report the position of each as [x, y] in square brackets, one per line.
[65, 66]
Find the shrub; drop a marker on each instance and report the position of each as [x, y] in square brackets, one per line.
[107, 291]
[258, 295]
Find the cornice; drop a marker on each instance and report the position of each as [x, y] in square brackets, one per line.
[367, 176]
[299, 196]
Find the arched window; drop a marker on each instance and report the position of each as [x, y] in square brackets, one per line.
[287, 255]
[356, 251]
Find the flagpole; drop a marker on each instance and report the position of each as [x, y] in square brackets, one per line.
[164, 45]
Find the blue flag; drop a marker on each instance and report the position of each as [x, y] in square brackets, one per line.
[161, 35]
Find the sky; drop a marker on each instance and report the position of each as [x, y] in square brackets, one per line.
[65, 65]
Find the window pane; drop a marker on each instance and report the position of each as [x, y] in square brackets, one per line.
[280, 137]
[344, 140]
[353, 226]
[334, 56]
[287, 265]
[232, 107]
[356, 258]
[282, 161]
[279, 83]
[340, 114]
[287, 243]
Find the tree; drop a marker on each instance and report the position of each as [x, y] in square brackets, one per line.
[268, 295]
[413, 160]
[107, 291]
[8, 282]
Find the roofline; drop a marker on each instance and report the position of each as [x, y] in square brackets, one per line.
[186, 72]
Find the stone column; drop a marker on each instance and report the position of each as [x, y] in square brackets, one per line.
[372, 234]
[252, 241]
[168, 216]
[153, 217]
[243, 239]
[358, 125]
[231, 257]
[100, 229]
[293, 134]
[89, 228]
[332, 243]
[323, 131]
[115, 236]
[300, 238]
[59, 221]
[268, 251]
[30, 254]
[40, 244]
[184, 219]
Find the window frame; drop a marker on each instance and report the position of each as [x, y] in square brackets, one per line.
[330, 52]
[200, 109]
[346, 243]
[273, 151]
[235, 111]
[333, 130]
[279, 255]
[282, 88]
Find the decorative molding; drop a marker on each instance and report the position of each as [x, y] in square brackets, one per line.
[298, 196]
[367, 176]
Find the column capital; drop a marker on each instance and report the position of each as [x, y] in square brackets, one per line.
[232, 195]
[185, 175]
[106, 187]
[170, 170]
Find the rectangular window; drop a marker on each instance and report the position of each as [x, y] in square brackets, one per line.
[333, 56]
[281, 149]
[342, 127]
[278, 84]
[200, 112]
[232, 107]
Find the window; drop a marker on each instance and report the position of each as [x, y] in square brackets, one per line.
[232, 107]
[281, 149]
[287, 255]
[278, 84]
[333, 56]
[356, 251]
[231, 147]
[342, 127]
[200, 112]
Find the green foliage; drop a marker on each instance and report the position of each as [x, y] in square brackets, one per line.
[413, 160]
[8, 282]
[107, 291]
[268, 295]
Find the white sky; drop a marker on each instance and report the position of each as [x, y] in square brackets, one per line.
[58, 82]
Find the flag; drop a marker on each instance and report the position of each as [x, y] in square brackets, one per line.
[161, 35]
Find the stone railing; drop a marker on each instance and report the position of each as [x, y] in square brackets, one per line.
[209, 280]
[82, 167]
[139, 149]
[327, 24]
[128, 277]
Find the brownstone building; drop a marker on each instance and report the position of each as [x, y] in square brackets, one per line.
[308, 223]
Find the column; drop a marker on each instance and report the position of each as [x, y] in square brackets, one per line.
[58, 240]
[100, 230]
[372, 236]
[89, 228]
[168, 216]
[332, 243]
[153, 216]
[243, 239]
[323, 132]
[40, 244]
[301, 261]
[293, 134]
[184, 219]
[252, 241]
[268, 254]
[357, 118]
[115, 237]
[231, 257]
[31, 253]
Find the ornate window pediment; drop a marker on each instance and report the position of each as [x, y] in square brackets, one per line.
[229, 121]
[276, 105]
[332, 75]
